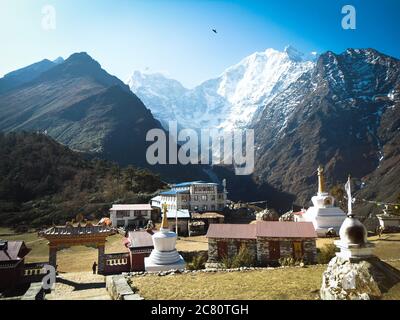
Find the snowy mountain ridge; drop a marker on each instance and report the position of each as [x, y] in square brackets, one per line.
[228, 101]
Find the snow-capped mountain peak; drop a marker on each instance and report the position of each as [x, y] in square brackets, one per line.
[229, 101]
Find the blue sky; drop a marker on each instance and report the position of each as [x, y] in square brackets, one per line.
[175, 37]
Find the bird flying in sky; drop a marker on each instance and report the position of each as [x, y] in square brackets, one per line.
[214, 30]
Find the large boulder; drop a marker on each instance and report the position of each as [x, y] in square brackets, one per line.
[366, 279]
[267, 215]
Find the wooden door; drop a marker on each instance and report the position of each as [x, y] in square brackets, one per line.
[297, 250]
[274, 250]
[222, 249]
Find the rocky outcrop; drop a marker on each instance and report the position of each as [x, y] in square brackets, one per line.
[267, 215]
[366, 279]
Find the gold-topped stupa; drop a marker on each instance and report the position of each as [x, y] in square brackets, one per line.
[164, 256]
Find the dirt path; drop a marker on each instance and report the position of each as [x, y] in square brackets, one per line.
[79, 286]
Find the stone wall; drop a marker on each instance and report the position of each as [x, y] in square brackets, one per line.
[310, 251]
[286, 249]
[260, 249]
[232, 245]
[189, 255]
[119, 289]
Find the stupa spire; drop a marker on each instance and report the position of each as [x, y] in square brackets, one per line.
[321, 180]
[164, 224]
[349, 197]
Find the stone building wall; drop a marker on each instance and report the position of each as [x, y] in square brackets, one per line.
[286, 249]
[286, 246]
[310, 251]
[232, 246]
[260, 249]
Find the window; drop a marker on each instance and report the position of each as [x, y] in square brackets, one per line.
[212, 207]
[120, 223]
[205, 207]
[122, 214]
[195, 198]
[212, 198]
[204, 198]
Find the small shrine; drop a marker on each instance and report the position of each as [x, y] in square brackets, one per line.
[324, 215]
[388, 221]
[164, 256]
[356, 273]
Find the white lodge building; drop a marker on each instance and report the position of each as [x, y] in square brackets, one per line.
[132, 215]
[197, 196]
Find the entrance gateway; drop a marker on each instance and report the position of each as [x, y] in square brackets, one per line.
[68, 236]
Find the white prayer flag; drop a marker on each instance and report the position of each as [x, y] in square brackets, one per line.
[347, 187]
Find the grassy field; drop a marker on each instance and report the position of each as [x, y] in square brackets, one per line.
[277, 284]
[272, 284]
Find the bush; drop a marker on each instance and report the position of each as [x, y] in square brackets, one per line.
[291, 262]
[326, 253]
[242, 259]
[198, 263]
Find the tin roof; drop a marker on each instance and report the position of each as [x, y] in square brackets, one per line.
[174, 192]
[133, 207]
[187, 184]
[278, 229]
[140, 239]
[267, 229]
[232, 231]
[181, 213]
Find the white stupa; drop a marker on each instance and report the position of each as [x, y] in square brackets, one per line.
[323, 214]
[353, 241]
[164, 256]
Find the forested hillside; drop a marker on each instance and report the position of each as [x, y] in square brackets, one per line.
[43, 182]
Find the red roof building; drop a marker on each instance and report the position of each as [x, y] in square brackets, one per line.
[268, 241]
[140, 245]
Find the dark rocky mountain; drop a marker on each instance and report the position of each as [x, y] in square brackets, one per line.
[343, 114]
[16, 78]
[80, 105]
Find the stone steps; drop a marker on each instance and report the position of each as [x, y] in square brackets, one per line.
[79, 286]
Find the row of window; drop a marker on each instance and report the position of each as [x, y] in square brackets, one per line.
[203, 197]
[204, 188]
[131, 223]
[136, 213]
[197, 208]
